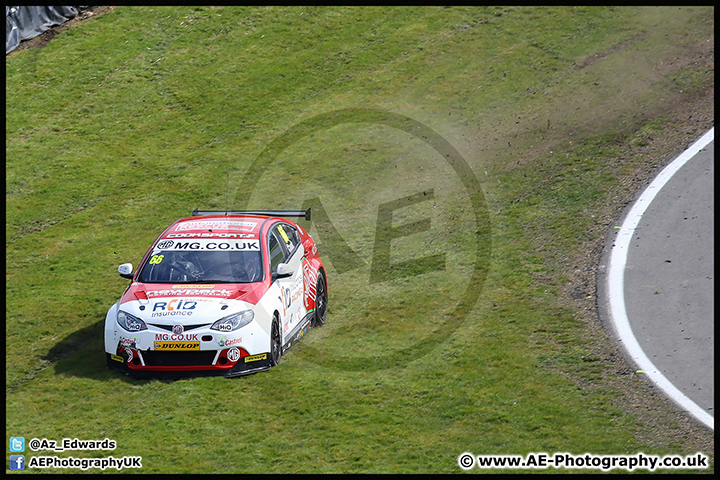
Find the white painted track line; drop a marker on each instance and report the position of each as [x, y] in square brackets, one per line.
[616, 279]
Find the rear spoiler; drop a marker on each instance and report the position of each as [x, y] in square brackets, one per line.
[272, 213]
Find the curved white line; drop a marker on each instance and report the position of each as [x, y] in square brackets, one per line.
[616, 279]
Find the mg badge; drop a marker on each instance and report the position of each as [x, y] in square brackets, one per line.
[178, 329]
[233, 354]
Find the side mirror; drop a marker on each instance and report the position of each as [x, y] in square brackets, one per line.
[283, 270]
[125, 270]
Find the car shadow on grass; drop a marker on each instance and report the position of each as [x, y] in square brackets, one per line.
[82, 354]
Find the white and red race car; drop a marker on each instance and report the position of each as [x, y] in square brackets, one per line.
[218, 293]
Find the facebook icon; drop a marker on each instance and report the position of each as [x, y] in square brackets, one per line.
[17, 462]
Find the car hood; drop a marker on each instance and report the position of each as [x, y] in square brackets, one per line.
[166, 304]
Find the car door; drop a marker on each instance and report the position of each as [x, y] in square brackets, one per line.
[284, 247]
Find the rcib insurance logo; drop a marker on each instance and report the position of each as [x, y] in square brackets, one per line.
[401, 225]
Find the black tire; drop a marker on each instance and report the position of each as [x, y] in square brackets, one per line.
[321, 301]
[275, 342]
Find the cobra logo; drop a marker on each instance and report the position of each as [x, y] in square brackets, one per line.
[310, 279]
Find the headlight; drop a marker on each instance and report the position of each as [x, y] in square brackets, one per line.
[233, 322]
[130, 322]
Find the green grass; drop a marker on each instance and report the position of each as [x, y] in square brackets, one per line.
[131, 119]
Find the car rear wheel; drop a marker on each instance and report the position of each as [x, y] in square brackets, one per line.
[275, 342]
[321, 300]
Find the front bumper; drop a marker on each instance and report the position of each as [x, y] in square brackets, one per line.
[161, 364]
[194, 350]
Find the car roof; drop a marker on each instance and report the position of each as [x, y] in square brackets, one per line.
[245, 226]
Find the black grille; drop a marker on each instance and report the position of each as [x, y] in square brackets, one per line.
[155, 358]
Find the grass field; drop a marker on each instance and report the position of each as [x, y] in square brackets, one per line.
[510, 138]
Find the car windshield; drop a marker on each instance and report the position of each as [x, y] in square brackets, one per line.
[167, 266]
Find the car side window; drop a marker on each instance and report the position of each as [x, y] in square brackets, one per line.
[277, 254]
[289, 236]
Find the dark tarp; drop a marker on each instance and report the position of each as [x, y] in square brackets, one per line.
[24, 23]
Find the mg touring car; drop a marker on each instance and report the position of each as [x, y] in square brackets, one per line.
[218, 293]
